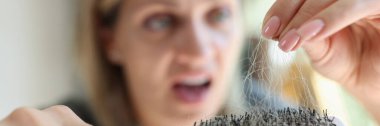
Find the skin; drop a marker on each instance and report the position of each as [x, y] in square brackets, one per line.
[346, 50]
[53, 116]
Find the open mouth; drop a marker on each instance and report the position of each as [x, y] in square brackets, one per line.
[192, 90]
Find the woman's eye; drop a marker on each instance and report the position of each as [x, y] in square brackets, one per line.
[159, 22]
[219, 15]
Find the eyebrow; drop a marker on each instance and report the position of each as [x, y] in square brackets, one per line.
[170, 2]
[165, 2]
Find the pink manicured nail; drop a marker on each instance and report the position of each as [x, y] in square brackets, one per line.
[271, 27]
[289, 41]
[310, 29]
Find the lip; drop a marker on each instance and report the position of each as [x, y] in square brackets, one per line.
[191, 94]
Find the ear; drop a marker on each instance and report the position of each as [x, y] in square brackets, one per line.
[110, 46]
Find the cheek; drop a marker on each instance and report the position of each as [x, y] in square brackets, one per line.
[228, 44]
[229, 39]
[146, 64]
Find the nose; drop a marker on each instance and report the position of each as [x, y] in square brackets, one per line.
[196, 44]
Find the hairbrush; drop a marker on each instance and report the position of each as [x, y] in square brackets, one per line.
[280, 117]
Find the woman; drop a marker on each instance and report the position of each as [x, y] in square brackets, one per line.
[167, 62]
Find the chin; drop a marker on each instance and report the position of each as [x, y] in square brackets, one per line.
[191, 113]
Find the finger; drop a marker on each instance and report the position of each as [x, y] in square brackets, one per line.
[338, 16]
[328, 22]
[64, 115]
[289, 38]
[278, 17]
[308, 10]
[334, 18]
[25, 116]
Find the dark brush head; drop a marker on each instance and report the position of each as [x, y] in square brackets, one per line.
[283, 117]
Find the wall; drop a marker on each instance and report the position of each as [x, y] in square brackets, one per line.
[36, 39]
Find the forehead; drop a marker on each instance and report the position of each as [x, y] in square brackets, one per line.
[181, 4]
[173, 2]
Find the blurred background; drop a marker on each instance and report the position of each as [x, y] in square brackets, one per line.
[38, 63]
[36, 52]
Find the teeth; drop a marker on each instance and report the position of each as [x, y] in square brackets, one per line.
[194, 81]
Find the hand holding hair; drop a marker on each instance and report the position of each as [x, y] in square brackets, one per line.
[341, 37]
[53, 116]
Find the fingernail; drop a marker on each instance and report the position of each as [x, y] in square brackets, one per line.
[311, 29]
[271, 27]
[289, 41]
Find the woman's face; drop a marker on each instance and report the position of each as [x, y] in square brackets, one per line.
[176, 56]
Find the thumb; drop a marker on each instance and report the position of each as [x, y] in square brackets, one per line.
[64, 116]
[338, 16]
[331, 20]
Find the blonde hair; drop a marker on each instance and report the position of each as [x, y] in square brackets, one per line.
[106, 87]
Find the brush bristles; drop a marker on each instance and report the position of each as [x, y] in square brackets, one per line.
[283, 117]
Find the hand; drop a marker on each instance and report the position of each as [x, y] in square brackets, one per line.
[341, 37]
[53, 116]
